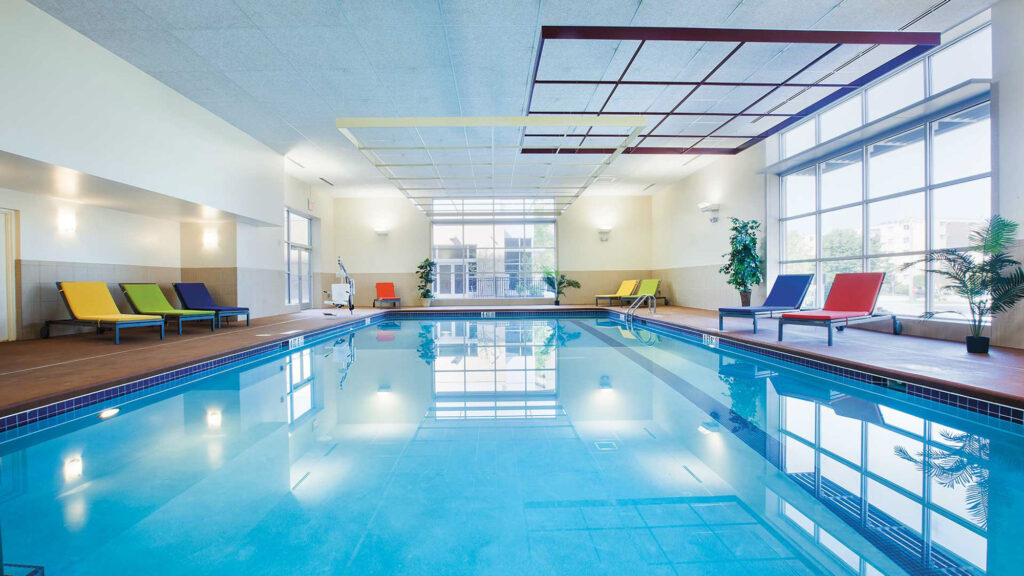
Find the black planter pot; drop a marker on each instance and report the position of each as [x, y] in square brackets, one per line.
[977, 344]
[744, 299]
[557, 303]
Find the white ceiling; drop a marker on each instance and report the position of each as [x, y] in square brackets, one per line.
[284, 70]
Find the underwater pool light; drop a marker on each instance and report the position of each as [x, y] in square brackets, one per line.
[109, 413]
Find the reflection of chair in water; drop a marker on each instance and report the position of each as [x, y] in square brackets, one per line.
[645, 337]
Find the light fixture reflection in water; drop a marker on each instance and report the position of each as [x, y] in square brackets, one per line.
[73, 468]
[605, 385]
[214, 419]
[709, 427]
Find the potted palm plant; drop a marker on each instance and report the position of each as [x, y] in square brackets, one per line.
[744, 267]
[984, 274]
[425, 272]
[558, 282]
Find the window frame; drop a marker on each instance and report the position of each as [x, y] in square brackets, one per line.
[303, 274]
[471, 278]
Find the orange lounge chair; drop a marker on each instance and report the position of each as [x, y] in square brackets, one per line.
[386, 293]
[851, 300]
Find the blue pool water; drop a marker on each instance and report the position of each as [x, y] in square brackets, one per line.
[516, 447]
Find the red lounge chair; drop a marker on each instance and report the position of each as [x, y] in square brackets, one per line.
[386, 293]
[851, 300]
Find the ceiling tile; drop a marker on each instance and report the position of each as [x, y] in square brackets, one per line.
[273, 13]
[319, 47]
[152, 51]
[490, 12]
[98, 14]
[235, 49]
[204, 86]
[410, 13]
[192, 14]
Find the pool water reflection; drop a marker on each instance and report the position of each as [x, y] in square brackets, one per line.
[511, 447]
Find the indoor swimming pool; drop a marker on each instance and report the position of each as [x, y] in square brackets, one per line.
[562, 446]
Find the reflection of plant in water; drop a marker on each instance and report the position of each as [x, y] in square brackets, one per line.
[963, 463]
[556, 337]
[744, 394]
[427, 350]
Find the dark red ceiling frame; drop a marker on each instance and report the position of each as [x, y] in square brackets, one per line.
[830, 40]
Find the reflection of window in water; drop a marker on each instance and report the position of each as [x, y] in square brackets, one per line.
[495, 370]
[299, 390]
[918, 486]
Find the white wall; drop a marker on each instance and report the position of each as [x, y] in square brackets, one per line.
[101, 236]
[686, 248]
[1008, 116]
[406, 244]
[67, 101]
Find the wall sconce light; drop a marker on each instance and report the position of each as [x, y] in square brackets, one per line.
[709, 208]
[602, 234]
[210, 238]
[67, 223]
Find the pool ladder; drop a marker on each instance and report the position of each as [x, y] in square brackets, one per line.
[652, 307]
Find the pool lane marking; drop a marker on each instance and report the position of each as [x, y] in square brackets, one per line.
[301, 480]
[687, 468]
[235, 331]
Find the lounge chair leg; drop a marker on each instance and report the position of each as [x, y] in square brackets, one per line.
[180, 322]
[161, 331]
[117, 334]
[829, 334]
[780, 330]
[721, 323]
[755, 324]
[246, 319]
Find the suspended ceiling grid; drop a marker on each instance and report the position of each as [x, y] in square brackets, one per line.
[702, 90]
[473, 167]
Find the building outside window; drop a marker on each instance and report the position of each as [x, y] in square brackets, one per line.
[298, 257]
[493, 259]
[888, 202]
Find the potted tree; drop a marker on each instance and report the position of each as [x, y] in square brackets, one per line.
[984, 274]
[744, 267]
[425, 272]
[558, 282]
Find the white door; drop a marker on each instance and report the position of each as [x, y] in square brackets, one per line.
[6, 253]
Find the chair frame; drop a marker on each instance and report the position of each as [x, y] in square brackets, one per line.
[752, 315]
[840, 324]
[182, 318]
[100, 325]
[231, 313]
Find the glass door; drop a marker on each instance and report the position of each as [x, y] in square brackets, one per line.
[298, 259]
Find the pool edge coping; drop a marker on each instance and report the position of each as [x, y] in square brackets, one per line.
[979, 401]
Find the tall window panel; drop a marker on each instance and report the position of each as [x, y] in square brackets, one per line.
[298, 257]
[884, 206]
[493, 259]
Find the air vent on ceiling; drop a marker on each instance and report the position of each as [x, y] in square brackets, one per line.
[605, 179]
[326, 181]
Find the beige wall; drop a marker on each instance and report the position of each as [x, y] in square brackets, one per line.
[686, 248]
[371, 257]
[601, 266]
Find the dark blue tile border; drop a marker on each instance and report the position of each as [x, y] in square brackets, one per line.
[33, 418]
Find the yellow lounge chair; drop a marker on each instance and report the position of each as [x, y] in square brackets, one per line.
[625, 289]
[647, 288]
[90, 304]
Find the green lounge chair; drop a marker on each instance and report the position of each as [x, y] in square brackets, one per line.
[149, 299]
[647, 288]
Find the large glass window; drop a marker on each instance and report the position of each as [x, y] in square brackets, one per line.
[493, 260]
[967, 58]
[894, 216]
[298, 257]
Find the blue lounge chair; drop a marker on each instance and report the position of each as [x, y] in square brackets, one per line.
[195, 296]
[786, 296]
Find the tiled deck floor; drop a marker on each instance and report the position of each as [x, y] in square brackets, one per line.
[37, 372]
